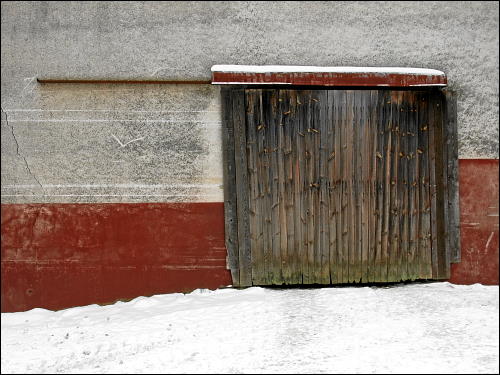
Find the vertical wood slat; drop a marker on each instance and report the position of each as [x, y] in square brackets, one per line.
[286, 176]
[354, 253]
[263, 187]
[331, 188]
[349, 223]
[244, 255]
[293, 120]
[267, 180]
[295, 138]
[433, 185]
[300, 183]
[309, 155]
[324, 227]
[282, 190]
[424, 152]
[271, 101]
[314, 186]
[345, 185]
[394, 199]
[365, 183]
[441, 181]
[387, 189]
[374, 254]
[357, 177]
[451, 138]
[403, 186]
[253, 121]
[373, 161]
[339, 111]
[393, 256]
[265, 190]
[315, 133]
[380, 268]
[413, 198]
[230, 211]
[444, 187]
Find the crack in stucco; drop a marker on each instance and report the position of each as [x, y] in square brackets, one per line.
[11, 126]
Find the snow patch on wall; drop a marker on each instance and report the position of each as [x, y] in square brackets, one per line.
[323, 69]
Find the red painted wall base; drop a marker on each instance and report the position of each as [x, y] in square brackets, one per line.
[57, 256]
[478, 186]
[62, 255]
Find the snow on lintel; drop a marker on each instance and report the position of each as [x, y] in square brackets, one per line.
[327, 76]
[321, 69]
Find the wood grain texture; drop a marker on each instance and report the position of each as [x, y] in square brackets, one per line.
[255, 212]
[230, 211]
[425, 192]
[451, 137]
[342, 186]
[244, 251]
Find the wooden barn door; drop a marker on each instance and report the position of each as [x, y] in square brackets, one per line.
[339, 186]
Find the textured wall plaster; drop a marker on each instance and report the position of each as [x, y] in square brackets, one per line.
[114, 143]
[181, 40]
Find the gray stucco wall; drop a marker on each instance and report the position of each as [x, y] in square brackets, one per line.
[63, 136]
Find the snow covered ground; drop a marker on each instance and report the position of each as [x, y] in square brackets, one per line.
[422, 328]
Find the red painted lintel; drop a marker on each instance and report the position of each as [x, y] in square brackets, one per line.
[330, 79]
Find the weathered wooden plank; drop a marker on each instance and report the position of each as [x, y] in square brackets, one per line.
[394, 179]
[387, 188]
[433, 185]
[263, 176]
[339, 101]
[373, 239]
[413, 198]
[424, 184]
[356, 191]
[314, 188]
[331, 186]
[259, 252]
[443, 186]
[270, 105]
[403, 186]
[282, 193]
[452, 161]
[263, 243]
[357, 170]
[244, 253]
[296, 142]
[255, 214]
[285, 178]
[383, 102]
[269, 253]
[324, 228]
[230, 198]
[317, 133]
[314, 131]
[349, 223]
[365, 162]
[310, 171]
[441, 181]
[342, 247]
[300, 185]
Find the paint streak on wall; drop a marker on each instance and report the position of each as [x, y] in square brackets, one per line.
[478, 223]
